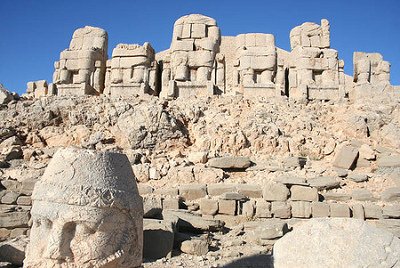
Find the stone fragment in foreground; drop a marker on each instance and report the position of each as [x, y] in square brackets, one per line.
[337, 243]
[86, 212]
[197, 247]
[346, 157]
[228, 162]
[158, 238]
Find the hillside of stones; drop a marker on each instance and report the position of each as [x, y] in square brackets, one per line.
[163, 138]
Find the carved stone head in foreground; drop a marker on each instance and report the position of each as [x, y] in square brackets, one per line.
[86, 213]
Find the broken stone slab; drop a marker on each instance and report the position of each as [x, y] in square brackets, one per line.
[391, 194]
[275, 192]
[10, 198]
[357, 177]
[332, 196]
[13, 251]
[248, 209]
[391, 211]
[170, 203]
[263, 209]
[230, 162]
[303, 193]
[266, 230]
[145, 189]
[198, 247]
[217, 189]
[346, 157]
[389, 161]
[158, 238]
[291, 180]
[336, 243]
[5, 95]
[324, 183]
[189, 221]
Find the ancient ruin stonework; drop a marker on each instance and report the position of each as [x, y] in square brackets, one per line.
[131, 70]
[81, 68]
[86, 213]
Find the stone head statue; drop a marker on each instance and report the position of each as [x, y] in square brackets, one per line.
[86, 212]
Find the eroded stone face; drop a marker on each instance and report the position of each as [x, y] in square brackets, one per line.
[86, 213]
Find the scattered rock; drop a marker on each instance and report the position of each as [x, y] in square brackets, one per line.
[230, 162]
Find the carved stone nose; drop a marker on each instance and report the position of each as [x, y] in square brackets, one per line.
[58, 246]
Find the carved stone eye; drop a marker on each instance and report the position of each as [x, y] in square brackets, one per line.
[85, 228]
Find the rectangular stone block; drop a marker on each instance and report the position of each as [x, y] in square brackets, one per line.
[346, 157]
[391, 211]
[339, 210]
[281, 210]
[248, 208]
[192, 191]
[199, 30]
[301, 209]
[358, 211]
[166, 191]
[170, 203]
[250, 190]
[208, 206]
[184, 45]
[303, 193]
[275, 192]
[220, 188]
[372, 211]
[263, 209]
[227, 207]
[320, 209]
[14, 219]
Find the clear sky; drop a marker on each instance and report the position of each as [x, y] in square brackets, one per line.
[34, 32]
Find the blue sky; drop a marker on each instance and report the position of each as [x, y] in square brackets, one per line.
[34, 32]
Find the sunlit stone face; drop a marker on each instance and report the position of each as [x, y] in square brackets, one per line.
[77, 236]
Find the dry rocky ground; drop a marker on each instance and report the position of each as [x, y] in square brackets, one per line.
[297, 161]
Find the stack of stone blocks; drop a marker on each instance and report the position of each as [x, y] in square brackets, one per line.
[131, 71]
[315, 70]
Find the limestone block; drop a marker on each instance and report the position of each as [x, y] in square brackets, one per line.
[233, 196]
[13, 251]
[386, 161]
[250, 190]
[358, 211]
[230, 162]
[154, 232]
[99, 202]
[320, 210]
[332, 196]
[24, 201]
[10, 198]
[346, 157]
[275, 192]
[263, 209]
[217, 189]
[391, 194]
[192, 191]
[391, 211]
[324, 183]
[198, 31]
[339, 210]
[362, 195]
[14, 219]
[227, 207]
[183, 45]
[303, 193]
[372, 211]
[281, 210]
[170, 203]
[208, 206]
[197, 247]
[301, 209]
[198, 157]
[248, 208]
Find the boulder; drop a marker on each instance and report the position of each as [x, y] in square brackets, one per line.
[337, 243]
[158, 238]
[197, 247]
[230, 162]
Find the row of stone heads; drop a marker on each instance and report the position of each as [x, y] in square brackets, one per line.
[201, 62]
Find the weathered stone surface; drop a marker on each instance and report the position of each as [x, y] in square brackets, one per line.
[86, 192]
[14, 219]
[248, 208]
[387, 161]
[303, 193]
[5, 95]
[336, 196]
[357, 177]
[391, 211]
[336, 243]
[216, 189]
[362, 195]
[230, 162]
[227, 207]
[10, 198]
[192, 191]
[197, 247]
[193, 222]
[320, 210]
[263, 209]
[301, 209]
[391, 194]
[250, 190]
[346, 157]
[158, 238]
[275, 192]
[358, 211]
[233, 196]
[339, 210]
[324, 183]
[372, 211]
[266, 232]
[152, 206]
[208, 206]
[281, 210]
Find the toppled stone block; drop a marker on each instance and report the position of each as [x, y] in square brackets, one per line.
[158, 238]
[391, 194]
[208, 206]
[230, 162]
[227, 207]
[301, 209]
[303, 193]
[281, 210]
[145, 189]
[320, 209]
[346, 157]
[266, 232]
[275, 192]
[198, 247]
[339, 210]
[192, 191]
[263, 209]
[5, 95]
[24, 201]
